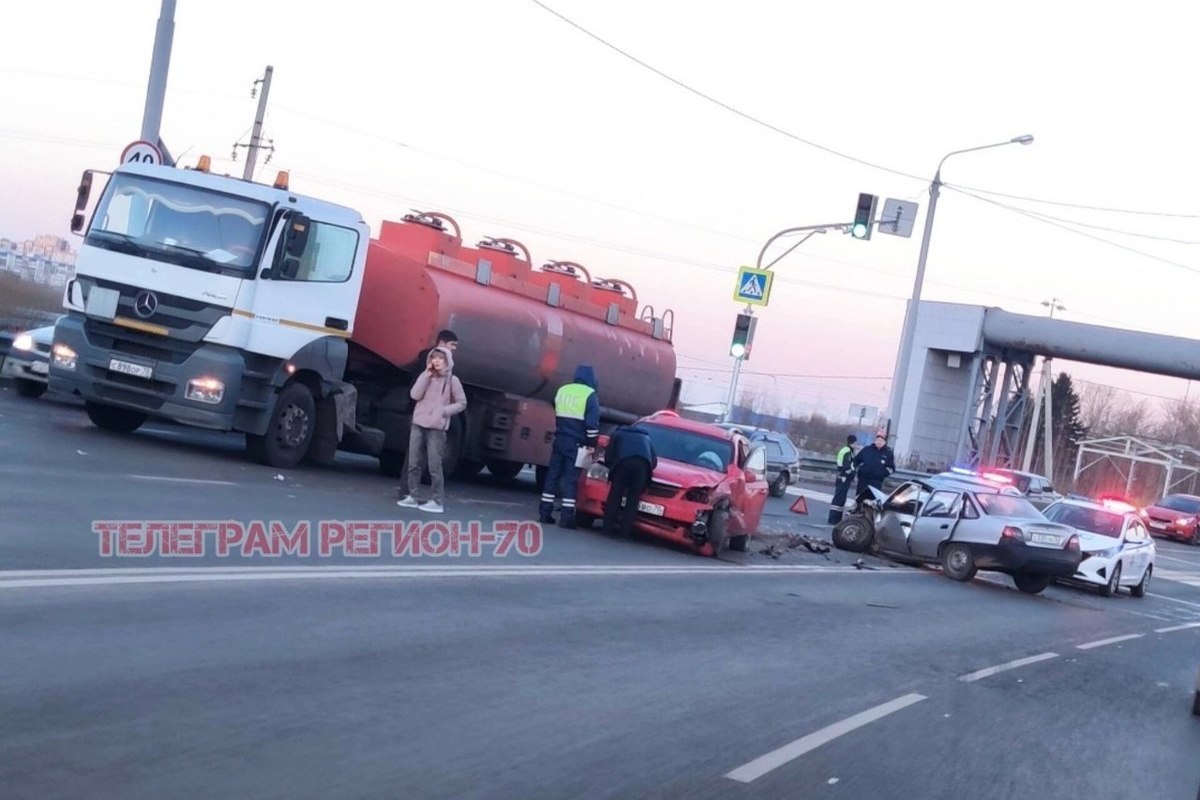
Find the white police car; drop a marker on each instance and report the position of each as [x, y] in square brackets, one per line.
[1117, 548]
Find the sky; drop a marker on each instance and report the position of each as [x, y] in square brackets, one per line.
[519, 124]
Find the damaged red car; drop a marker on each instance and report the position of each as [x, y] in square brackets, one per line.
[708, 491]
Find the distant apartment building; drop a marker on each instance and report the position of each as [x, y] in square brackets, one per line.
[46, 260]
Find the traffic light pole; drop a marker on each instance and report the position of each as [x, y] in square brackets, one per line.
[813, 230]
[737, 371]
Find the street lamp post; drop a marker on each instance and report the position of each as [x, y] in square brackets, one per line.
[910, 315]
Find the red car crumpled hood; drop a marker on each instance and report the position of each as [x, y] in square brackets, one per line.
[686, 475]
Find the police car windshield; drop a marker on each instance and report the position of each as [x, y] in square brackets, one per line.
[690, 448]
[1093, 520]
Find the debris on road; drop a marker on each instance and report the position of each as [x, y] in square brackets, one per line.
[795, 541]
[280, 478]
[80, 452]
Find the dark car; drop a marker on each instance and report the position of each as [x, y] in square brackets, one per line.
[783, 459]
[1176, 516]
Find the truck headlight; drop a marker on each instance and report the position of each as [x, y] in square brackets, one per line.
[23, 342]
[205, 390]
[65, 357]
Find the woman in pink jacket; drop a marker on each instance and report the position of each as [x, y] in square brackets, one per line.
[439, 397]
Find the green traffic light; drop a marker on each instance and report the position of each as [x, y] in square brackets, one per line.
[859, 231]
[738, 350]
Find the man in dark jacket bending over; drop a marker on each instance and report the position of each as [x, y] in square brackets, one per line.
[631, 461]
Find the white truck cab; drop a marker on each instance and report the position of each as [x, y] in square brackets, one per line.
[206, 300]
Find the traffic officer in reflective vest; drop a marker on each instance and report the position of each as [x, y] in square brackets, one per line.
[577, 412]
[845, 474]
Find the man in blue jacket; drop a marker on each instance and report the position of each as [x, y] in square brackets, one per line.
[631, 461]
[577, 424]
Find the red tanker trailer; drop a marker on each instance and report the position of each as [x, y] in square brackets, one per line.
[522, 331]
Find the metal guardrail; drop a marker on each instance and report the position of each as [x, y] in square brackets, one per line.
[824, 470]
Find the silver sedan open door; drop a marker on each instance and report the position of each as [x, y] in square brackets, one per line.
[939, 517]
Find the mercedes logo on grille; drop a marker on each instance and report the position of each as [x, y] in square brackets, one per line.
[145, 304]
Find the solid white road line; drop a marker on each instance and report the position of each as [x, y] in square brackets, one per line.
[789, 752]
[1174, 600]
[1174, 628]
[987, 672]
[430, 567]
[1181, 560]
[165, 479]
[1113, 640]
[202, 575]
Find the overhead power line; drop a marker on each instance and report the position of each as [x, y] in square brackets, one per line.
[1048, 221]
[709, 98]
[825, 148]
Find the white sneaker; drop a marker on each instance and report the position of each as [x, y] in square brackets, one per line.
[432, 506]
[408, 502]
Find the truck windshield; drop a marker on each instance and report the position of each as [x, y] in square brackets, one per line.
[180, 224]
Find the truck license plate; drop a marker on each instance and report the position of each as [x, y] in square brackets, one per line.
[651, 508]
[128, 368]
[1045, 538]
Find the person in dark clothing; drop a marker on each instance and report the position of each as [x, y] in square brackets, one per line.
[845, 475]
[631, 460]
[874, 463]
[577, 425]
[446, 339]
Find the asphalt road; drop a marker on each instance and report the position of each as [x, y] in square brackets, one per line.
[593, 668]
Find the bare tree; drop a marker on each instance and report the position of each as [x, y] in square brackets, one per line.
[1107, 411]
[1180, 423]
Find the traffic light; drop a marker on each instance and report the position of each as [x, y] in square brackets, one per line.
[743, 336]
[864, 216]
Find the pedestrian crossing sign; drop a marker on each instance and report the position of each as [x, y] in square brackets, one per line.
[753, 286]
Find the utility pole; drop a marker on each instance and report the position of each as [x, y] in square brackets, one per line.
[256, 135]
[160, 62]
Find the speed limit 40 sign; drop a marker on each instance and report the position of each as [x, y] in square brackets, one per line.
[141, 152]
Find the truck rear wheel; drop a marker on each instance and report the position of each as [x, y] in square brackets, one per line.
[111, 418]
[288, 437]
[468, 468]
[504, 469]
[391, 463]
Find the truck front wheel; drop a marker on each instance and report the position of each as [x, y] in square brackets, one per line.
[111, 418]
[290, 433]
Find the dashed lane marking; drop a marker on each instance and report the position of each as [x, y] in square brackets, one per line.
[793, 750]
[1106, 642]
[988, 672]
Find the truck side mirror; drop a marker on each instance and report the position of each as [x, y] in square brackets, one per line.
[295, 239]
[83, 193]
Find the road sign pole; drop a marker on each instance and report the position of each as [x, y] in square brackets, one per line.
[160, 62]
[733, 383]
